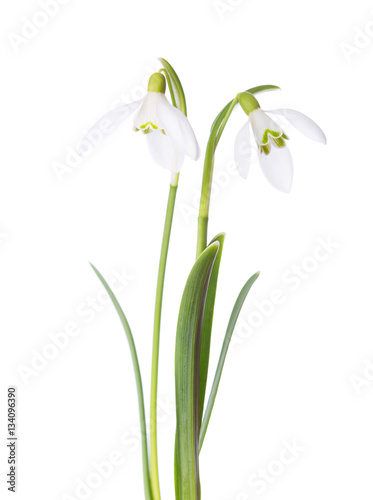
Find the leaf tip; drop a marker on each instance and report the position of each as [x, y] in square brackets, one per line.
[95, 270]
[215, 245]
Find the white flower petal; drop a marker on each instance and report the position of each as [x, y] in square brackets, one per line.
[147, 116]
[261, 123]
[304, 124]
[164, 152]
[242, 150]
[277, 167]
[106, 125]
[177, 126]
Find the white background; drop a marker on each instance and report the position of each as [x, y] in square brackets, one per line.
[293, 377]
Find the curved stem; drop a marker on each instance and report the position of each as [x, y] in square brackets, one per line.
[208, 170]
[154, 475]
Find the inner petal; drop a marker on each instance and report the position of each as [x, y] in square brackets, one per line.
[264, 127]
[147, 119]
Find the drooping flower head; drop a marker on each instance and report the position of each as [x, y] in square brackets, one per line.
[168, 132]
[271, 140]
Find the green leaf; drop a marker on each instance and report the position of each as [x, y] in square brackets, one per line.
[175, 87]
[231, 325]
[207, 325]
[187, 368]
[140, 393]
[177, 469]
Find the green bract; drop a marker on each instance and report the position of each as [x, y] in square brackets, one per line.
[174, 85]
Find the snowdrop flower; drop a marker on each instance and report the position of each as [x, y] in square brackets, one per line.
[274, 156]
[168, 132]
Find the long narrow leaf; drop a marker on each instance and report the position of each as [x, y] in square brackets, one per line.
[207, 325]
[231, 325]
[177, 469]
[140, 394]
[187, 368]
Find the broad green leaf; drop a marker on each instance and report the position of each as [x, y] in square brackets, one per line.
[187, 368]
[140, 394]
[231, 325]
[207, 325]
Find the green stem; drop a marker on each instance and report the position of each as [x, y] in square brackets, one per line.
[208, 171]
[154, 475]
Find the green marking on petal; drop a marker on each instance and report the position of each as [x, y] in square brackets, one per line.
[266, 148]
[280, 142]
[147, 127]
[277, 137]
[270, 134]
